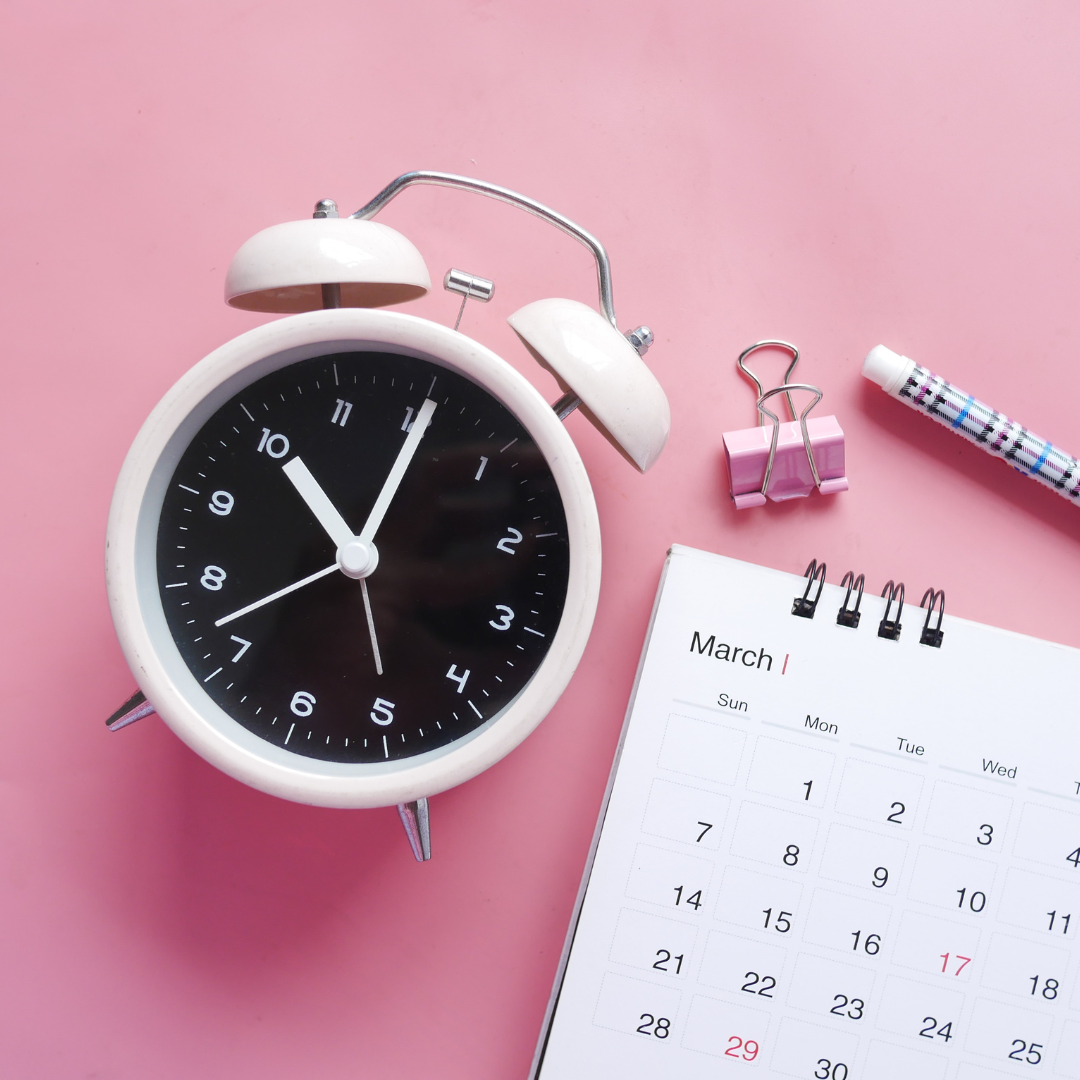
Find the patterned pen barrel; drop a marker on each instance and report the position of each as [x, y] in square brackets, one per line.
[987, 428]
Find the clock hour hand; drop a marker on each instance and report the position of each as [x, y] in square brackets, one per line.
[355, 558]
[397, 472]
[326, 513]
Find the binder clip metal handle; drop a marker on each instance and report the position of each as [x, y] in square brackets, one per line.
[800, 455]
[741, 364]
[786, 388]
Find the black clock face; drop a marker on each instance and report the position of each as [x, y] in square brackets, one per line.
[472, 549]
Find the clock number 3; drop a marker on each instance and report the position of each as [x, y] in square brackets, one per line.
[505, 619]
[385, 711]
[507, 542]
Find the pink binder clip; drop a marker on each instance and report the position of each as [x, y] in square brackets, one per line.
[799, 456]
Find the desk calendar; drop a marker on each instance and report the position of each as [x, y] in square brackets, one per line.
[827, 854]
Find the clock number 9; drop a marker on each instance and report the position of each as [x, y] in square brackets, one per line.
[221, 503]
[385, 710]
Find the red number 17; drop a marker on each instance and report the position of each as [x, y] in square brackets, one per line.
[945, 963]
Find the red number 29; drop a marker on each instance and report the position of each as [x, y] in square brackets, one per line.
[749, 1048]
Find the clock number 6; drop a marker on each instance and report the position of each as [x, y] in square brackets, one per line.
[385, 709]
[303, 703]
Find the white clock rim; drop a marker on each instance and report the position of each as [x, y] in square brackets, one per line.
[135, 601]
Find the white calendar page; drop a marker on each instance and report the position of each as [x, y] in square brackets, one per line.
[829, 855]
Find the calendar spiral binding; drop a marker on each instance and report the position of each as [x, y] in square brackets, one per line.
[933, 602]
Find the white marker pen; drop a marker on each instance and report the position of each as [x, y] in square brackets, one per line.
[978, 423]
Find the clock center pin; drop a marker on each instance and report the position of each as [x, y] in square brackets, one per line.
[357, 559]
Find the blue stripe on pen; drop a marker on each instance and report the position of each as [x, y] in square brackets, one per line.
[963, 412]
[1042, 457]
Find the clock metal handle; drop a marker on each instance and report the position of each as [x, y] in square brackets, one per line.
[523, 202]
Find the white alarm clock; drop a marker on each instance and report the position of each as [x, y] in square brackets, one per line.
[353, 556]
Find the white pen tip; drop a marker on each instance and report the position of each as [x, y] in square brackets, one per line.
[886, 368]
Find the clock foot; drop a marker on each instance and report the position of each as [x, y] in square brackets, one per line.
[414, 816]
[135, 708]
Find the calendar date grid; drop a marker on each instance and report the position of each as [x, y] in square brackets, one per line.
[766, 792]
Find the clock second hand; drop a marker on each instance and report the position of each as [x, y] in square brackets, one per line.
[299, 585]
[279, 594]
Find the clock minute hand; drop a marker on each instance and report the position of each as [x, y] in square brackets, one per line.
[397, 472]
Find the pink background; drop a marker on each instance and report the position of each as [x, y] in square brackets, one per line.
[839, 174]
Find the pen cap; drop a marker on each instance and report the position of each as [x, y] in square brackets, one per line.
[888, 369]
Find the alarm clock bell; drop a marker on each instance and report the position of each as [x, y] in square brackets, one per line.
[330, 261]
[354, 262]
